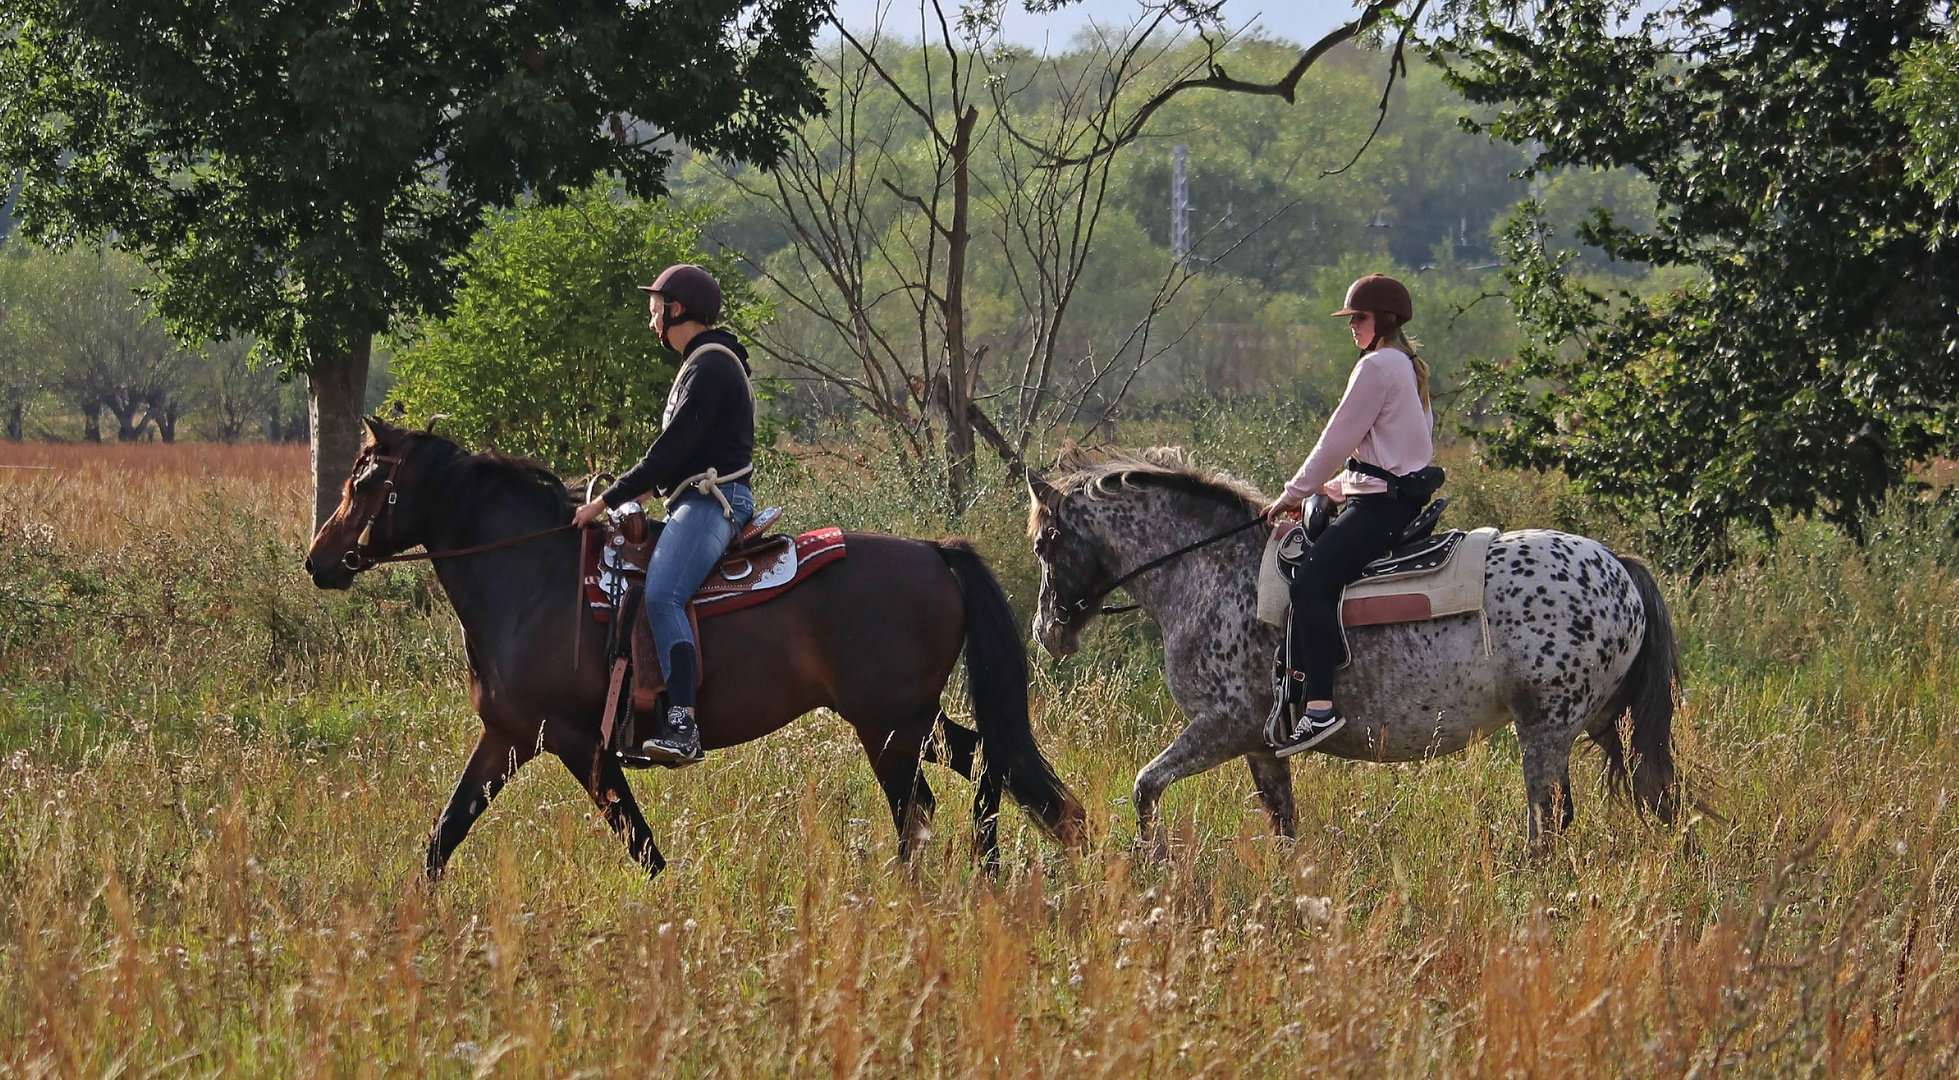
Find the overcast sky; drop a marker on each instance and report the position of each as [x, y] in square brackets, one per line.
[1297, 20]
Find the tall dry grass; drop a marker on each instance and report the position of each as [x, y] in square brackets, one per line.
[215, 784]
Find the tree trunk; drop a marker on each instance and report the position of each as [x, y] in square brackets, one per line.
[336, 387]
[959, 381]
[15, 418]
[166, 422]
[92, 421]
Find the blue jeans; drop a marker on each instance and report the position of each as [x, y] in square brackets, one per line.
[695, 536]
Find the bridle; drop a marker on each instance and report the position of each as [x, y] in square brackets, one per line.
[1079, 607]
[357, 559]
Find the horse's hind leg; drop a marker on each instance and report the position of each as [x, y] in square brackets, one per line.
[1273, 777]
[1547, 780]
[602, 778]
[490, 765]
[895, 758]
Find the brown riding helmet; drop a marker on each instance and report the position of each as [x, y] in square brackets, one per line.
[1379, 292]
[693, 288]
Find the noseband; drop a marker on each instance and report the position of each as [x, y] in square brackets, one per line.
[1067, 613]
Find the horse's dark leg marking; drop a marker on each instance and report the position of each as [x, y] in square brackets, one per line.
[895, 758]
[1211, 740]
[490, 765]
[1273, 776]
[605, 782]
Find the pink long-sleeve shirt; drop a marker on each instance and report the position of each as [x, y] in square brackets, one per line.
[1380, 420]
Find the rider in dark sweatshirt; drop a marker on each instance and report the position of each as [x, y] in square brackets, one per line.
[699, 464]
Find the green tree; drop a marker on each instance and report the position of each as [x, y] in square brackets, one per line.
[305, 172]
[1809, 360]
[547, 352]
[1925, 95]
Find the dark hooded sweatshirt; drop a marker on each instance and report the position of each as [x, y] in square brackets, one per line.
[709, 423]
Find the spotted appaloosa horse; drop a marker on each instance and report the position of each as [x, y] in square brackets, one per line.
[1577, 638]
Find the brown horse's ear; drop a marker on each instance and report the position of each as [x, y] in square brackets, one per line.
[376, 428]
[1043, 492]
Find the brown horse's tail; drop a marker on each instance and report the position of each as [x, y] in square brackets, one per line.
[1647, 695]
[996, 678]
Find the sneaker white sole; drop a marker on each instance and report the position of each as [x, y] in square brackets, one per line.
[1304, 745]
[660, 755]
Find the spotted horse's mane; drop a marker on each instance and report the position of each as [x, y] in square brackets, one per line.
[1167, 467]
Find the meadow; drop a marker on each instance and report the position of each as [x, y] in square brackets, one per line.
[216, 783]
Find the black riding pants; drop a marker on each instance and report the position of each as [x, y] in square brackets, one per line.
[1358, 536]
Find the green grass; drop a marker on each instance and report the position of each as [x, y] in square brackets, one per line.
[213, 808]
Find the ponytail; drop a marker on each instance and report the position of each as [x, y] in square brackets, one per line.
[1390, 332]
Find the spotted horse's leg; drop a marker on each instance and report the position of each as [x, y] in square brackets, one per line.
[1211, 740]
[1273, 776]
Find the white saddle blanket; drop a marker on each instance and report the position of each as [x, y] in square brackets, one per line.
[1454, 588]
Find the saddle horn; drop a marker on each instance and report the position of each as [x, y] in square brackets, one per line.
[429, 428]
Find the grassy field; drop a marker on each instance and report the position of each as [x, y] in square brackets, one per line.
[215, 785]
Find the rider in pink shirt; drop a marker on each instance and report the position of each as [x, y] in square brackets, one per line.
[1385, 423]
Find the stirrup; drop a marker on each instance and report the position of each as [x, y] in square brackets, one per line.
[1288, 705]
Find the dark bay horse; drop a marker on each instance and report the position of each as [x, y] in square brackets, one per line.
[873, 636]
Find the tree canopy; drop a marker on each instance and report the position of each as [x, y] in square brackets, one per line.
[304, 172]
[1808, 361]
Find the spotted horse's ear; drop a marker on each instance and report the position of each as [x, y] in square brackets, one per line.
[1043, 492]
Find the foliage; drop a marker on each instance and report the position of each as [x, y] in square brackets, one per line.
[306, 172]
[547, 353]
[1922, 95]
[1810, 361]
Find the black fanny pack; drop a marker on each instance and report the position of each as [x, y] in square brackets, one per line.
[1417, 487]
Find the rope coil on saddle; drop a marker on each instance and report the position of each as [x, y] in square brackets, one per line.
[709, 483]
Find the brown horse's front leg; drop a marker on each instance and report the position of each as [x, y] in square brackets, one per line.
[598, 772]
[492, 763]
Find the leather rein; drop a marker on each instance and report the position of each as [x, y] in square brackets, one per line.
[1071, 612]
[358, 559]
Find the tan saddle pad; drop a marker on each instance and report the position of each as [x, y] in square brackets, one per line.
[1453, 588]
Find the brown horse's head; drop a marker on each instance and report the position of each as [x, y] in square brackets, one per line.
[371, 521]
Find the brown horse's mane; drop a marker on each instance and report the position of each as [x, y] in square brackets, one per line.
[520, 473]
[1157, 466]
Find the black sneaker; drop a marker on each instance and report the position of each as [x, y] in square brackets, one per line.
[1314, 727]
[678, 743]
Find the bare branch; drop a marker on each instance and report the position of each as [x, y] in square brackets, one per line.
[1218, 79]
[1397, 65]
